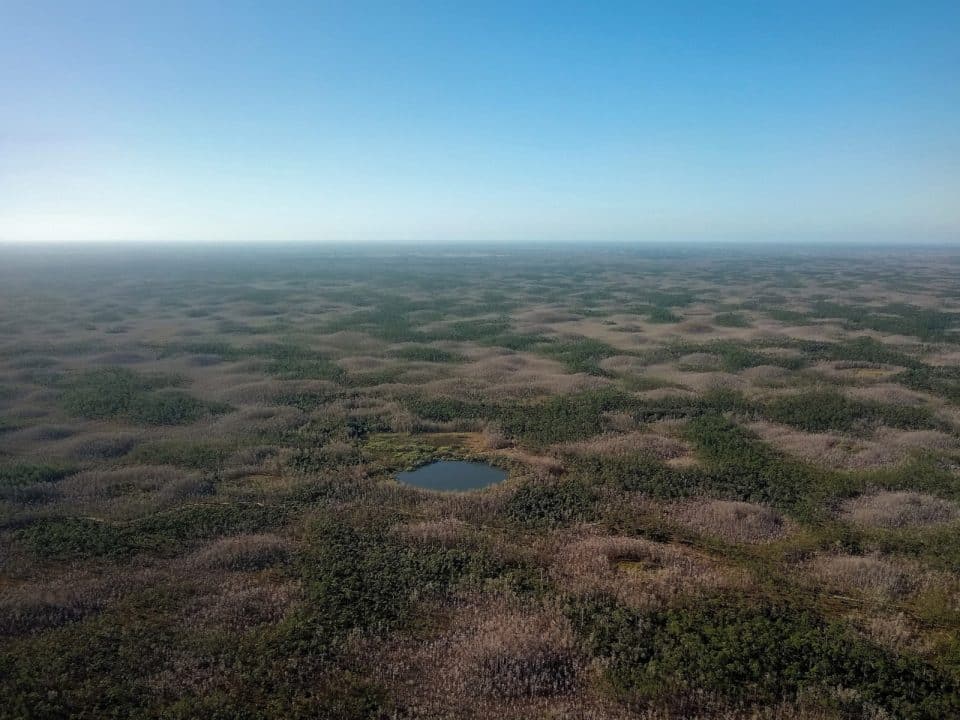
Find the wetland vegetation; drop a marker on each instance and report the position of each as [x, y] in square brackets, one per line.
[681, 482]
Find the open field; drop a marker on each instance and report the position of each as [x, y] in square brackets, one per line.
[733, 490]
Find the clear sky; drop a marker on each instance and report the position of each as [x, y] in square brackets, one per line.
[483, 121]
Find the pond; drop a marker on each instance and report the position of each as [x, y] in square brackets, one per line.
[453, 475]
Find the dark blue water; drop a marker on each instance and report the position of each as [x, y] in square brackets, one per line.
[453, 475]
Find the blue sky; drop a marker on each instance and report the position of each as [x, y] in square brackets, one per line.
[448, 121]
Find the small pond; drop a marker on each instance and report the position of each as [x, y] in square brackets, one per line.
[453, 475]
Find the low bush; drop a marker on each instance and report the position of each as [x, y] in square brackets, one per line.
[426, 353]
[734, 356]
[863, 349]
[199, 456]
[120, 393]
[942, 381]
[294, 363]
[517, 341]
[685, 407]
[561, 418]
[24, 473]
[581, 354]
[104, 447]
[731, 319]
[824, 410]
[317, 460]
[478, 330]
[552, 503]
[109, 392]
[165, 534]
[747, 653]
[445, 409]
[169, 407]
[30, 483]
[739, 466]
[662, 315]
[359, 579]
[892, 319]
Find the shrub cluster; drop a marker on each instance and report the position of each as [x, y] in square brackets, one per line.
[28, 482]
[561, 418]
[825, 410]
[749, 653]
[426, 353]
[364, 579]
[893, 319]
[737, 466]
[164, 534]
[581, 355]
[121, 393]
[553, 503]
[198, 456]
[731, 319]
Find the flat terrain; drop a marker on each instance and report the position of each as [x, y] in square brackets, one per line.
[733, 483]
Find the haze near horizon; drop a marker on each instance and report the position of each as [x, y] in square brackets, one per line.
[500, 122]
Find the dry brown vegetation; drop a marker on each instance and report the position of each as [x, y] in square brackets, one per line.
[872, 576]
[655, 444]
[884, 448]
[903, 509]
[496, 659]
[731, 521]
[638, 572]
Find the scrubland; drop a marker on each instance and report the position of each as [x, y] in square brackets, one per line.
[733, 483]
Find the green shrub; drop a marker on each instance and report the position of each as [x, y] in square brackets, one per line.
[121, 393]
[426, 353]
[30, 483]
[165, 534]
[465, 330]
[734, 356]
[5, 424]
[751, 654]
[170, 407]
[552, 503]
[444, 409]
[24, 473]
[662, 315]
[676, 297]
[74, 539]
[317, 460]
[638, 472]
[739, 466]
[341, 695]
[942, 381]
[307, 400]
[824, 410]
[561, 418]
[294, 363]
[105, 393]
[92, 668]
[682, 407]
[790, 317]
[581, 354]
[894, 319]
[199, 456]
[517, 341]
[731, 319]
[862, 349]
[365, 579]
